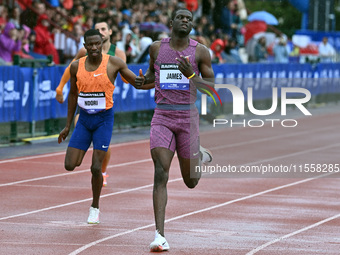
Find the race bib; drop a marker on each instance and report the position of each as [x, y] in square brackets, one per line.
[172, 78]
[92, 102]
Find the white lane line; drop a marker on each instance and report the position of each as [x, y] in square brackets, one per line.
[75, 172]
[32, 157]
[149, 185]
[295, 154]
[146, 160]
[293, 234]
[266, 139]
[64, 152]
[79, 201]
[83, 200]
[194, 212]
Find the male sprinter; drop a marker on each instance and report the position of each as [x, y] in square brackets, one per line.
[175, 65]
[92, 86]
[109, 49]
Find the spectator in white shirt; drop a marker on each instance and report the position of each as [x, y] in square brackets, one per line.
[326, 51]
[74, 45]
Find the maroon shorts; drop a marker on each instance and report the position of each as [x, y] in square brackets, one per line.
[176, 131]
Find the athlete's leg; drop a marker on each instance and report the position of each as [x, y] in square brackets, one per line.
[76, 118]
[162, 158]
[73, 158]
[101, 141]
[188, 149]
[190, 171]
[106, 160]
[104, 166]
[97, 177]
[77, 147]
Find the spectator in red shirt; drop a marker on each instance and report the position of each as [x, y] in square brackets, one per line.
[44, 41]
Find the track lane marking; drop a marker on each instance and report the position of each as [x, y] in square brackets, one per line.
[150, 185]
[84, 247]
[293, 234]
[149, 159]
[52, 154]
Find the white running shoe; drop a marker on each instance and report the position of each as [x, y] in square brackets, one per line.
[159, 244]
[93, 216]
[207, 157]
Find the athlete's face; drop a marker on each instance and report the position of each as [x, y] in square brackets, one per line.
[104, 30]
[182, 22]
[93, 44]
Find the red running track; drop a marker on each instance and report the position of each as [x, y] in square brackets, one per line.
[44, 208]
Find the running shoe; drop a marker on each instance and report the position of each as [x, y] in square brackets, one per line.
[93, 216]
[104, 179]
[159, 244]
[206, 156]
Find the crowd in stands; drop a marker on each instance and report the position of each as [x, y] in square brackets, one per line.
[37, 28]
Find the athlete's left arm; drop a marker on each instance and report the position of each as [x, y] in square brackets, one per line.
[204, 62]
[203, 59]
[117, 65]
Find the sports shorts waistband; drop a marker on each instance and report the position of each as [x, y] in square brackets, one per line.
[176, 107]
[99, 112]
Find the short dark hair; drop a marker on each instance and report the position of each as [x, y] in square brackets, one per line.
[173, 14]
[91, 32]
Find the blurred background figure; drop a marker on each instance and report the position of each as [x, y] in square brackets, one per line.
[3, 16]
[44, 41]
[10, 41]
[261, 50]
[25, 49]
[217, 47]
[30, 17]
[74, 45]
[143, 56]
[14, 16]
[281, 53]
[326, 51]
[230, 53]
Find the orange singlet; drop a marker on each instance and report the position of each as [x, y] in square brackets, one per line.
[95, 88]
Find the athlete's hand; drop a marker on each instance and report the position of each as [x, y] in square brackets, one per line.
[185, 66]
[60, 98]
[63, 134]
[139, 81]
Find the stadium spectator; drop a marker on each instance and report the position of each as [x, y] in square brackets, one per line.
[30, 17]
[228, 18]
[24, 51]
[10, 41]
[3, 16]
[74, 45]
[261, 50]
[217, 47]
[143, 56]
[281, 54]
[14, 16]
[44, 41]
[326, 51]
[230, 53]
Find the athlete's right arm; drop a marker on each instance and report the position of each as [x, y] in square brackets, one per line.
[147, 81]
[72, 101]
[66, 76]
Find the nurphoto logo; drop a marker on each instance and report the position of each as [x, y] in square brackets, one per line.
[239, 105]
